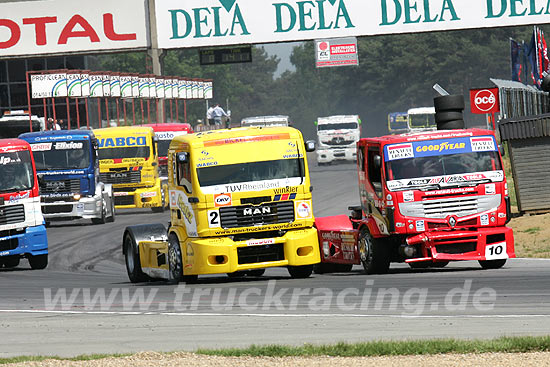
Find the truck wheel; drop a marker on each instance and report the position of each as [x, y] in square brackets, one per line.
[133, 263]
[175, 263]
[38, 262]
[439, 264]
[492, 264]
[236, 274]
[420, 265]
[101, 220]
[10, 261]
[158, 209]
[374, 253]
[255, 272]
[323, 268]
[300, 272]
[343, 268]
[111, 218]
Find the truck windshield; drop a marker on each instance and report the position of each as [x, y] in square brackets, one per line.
[16, 173]
[163, 146]
[251, 171]
[339, 126]
[63, 155]
[444, 165]
[124, 152]
[422, 120]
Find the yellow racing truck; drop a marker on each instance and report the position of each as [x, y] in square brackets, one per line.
[240, 202]
[128, 159]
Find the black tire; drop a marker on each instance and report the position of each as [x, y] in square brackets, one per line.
[158, 209]
[38, 262]
[237, 274]
[102, 219]
[323, 268]
[449, 103]
[132, 260]
[10, 261]
[255, 272]
[111, 218]
[492, 264]
[374, 253]
[175, 262]
[451, 125]
[300, 272]
[343, 268]
[445, 116]
[439, 264]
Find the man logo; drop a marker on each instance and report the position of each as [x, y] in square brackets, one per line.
[257, 211]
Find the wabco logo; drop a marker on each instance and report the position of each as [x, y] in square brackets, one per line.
[122, 142]
[256, 211]
[208, 22]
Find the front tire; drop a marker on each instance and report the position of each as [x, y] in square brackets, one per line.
[38, 262]
[492, 264]
[101, 220]
[133, 262]
[10, 261]
[300, 272]
[175, 263]
[374, 253]
[111, 218]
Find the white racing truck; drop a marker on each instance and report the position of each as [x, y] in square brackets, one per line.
[337, 136]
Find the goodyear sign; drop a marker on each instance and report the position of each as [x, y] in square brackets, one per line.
[438, 147]
[130, 141]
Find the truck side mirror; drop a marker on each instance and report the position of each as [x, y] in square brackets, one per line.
[310, 146]
[182, 157]
[501, 150]
[377, 161]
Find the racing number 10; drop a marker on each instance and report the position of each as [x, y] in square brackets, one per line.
[496, 251]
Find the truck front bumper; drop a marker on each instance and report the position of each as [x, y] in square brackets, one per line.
[490, 243]
[335, 154]
[148, 197]
[29, 241]
[85, 208]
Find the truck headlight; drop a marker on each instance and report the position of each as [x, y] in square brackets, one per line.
[76, 197]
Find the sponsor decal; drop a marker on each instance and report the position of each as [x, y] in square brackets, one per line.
[444, 146]
[420, 227]
[129, 141]
[285, 156]
[399, 151]
[303, 209]
[169, 135]
[69, 172]
[173, 201]
[502, 215]
[484, 219]
[120, 193]
[8, 160]
[482, 143]
[207, 164]
[246, 139]
[187, 213]
[408, 196]
[490, 189]
[41, 147]
[4, 253]
[284, 197]
[222, 200]
[148, 194]
[261, 242]
[68, 145]
[257, 210]
[15, 198]
[286, 190]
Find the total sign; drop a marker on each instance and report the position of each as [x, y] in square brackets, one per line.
[67, 26]
[484, 101]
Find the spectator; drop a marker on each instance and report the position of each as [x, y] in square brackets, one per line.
[218, 113]
[209, 116]
[56, 125]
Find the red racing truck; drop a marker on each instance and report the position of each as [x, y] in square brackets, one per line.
[426, 199]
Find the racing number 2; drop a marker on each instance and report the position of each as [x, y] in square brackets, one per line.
[214, 218]
[496, 251]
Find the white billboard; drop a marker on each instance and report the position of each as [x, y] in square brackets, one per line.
[126, 86]
[115, 85]
[135, 86]
[31, 28]
[85, 84]
[49, 85]
[96, 85]
[208, 90]
[182, 89]
[74, 84]
[160, 87]
[143, 87]
[198, 23]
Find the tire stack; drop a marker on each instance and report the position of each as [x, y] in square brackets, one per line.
[448, 112]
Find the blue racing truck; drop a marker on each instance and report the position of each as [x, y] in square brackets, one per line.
[67, 162]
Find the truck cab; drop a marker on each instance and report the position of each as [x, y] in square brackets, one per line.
[337, 136]
[22, 230]
[240, 202]
[70, 188]
[421, 119]
[128, 160]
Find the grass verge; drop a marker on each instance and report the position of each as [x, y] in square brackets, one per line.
[393, 348]
[85, 357]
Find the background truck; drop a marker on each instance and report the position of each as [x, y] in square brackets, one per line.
[70, 189]
[128, 160]
[337, 136]
[22, 230]
[14, 123]
[421, 119]
[398, 123]
[276, 120]
[426, 199]
[240, 202]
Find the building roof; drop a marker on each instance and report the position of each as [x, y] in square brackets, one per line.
[525, 127]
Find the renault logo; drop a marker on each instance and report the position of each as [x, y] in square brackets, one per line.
[452, 221]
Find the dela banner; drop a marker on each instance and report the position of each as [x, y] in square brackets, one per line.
[197, 23]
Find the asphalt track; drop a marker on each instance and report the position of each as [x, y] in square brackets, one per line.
[83, 302]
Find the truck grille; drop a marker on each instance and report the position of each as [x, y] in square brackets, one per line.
[124, 200]
[442, 208]
[258, 254]
[54, 209]
[61, 186]
[339, 142]
[10, 244]
[248, 215]
[12, 214]
[121, 177]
